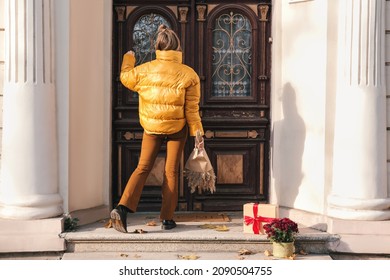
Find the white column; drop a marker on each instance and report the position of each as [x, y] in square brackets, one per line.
[359, 188]
[29, 167]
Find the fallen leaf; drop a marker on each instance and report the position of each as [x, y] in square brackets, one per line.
[293, 257]
[139, 231]
[240, 258]
[137, 256]
[188, 257]
[267, 253]
[222, 228]
[208, 226]
[151, 224]
[245, 252]
[215, 227]
[124, 255]
[108, 224]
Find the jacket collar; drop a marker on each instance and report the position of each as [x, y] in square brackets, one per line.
[174, 56]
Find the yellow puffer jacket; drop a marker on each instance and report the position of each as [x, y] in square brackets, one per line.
[169, 93]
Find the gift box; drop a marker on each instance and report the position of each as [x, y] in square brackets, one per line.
[255, 215]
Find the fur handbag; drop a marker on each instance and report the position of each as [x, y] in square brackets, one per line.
[198, 169]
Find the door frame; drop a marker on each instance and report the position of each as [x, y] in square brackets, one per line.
[182, 24]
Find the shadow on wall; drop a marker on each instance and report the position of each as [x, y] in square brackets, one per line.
[288, 136]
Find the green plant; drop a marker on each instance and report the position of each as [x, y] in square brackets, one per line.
[70, 224]
[281, 230]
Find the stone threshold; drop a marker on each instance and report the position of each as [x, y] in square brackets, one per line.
[187, 236]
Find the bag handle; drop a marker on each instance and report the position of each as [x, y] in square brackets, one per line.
[199, 141]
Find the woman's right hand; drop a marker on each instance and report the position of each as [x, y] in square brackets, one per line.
[131, 53]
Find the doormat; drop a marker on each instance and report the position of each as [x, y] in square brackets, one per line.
[201, 217]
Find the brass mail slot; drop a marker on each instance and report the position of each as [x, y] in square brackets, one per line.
[232, 134]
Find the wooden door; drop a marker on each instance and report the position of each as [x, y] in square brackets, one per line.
[228, 45]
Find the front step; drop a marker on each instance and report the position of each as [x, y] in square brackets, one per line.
[158, 256]
[186, 237]
[18, 236]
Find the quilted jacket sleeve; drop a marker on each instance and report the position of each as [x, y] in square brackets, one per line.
[128, 74]
[192, 107]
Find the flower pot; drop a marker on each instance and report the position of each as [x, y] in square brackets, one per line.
[283, 250]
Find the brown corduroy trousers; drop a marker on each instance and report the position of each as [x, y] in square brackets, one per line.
[151, 144]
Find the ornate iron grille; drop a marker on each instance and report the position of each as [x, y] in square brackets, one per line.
[144, 36]
[232, 56]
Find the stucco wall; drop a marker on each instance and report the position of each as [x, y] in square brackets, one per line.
[2, 14]
[387, 67]
[83, 60]
[303, 101]
[299, 103]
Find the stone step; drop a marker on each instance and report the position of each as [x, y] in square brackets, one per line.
[364, 237]
[182, 255]
[186, 237]
[31, 235]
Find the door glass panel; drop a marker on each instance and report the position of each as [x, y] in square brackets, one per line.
[144, 36]
[232, 56]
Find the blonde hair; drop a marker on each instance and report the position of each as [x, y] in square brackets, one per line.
[167, 39]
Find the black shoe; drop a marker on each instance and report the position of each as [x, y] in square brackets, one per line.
[119, 218]
[168, 224]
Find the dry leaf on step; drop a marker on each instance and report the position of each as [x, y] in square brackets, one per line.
[245, 252]
[293, 257]
[124, 255]
[188, 257]
[139, 231]
[136, 256]
[208, 226]
[267, 253]
[108, 224]
[151, 224]
[222, 228]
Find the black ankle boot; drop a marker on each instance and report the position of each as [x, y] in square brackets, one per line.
[168, 224]
[119, 218]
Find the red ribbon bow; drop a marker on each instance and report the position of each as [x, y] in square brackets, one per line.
[256, 220]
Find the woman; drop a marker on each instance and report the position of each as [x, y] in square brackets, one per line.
[169, 94]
